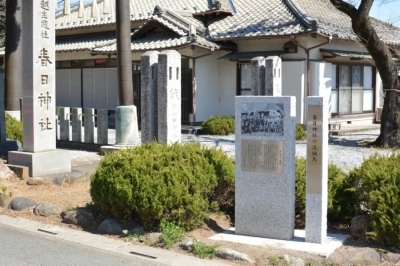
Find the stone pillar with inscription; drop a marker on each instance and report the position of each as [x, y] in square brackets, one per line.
[64, 123]
[169, 97]
[76, 117]
[102, 126]
[149, 68]
[317, 169]
[39, 109]
[273, 76]
[88, 124]
[258, 76]
[265, 166]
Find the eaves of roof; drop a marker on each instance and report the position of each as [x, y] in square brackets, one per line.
[159, 41]
[83, 42]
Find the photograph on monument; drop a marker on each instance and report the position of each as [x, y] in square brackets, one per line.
[262, 119]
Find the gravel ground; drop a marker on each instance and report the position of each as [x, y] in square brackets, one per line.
[346, 151]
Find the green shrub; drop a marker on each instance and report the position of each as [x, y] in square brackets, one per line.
[14, 129]
[203, 250]
[156, 181]
[170, 233]
[300, 132]
[220, 125]
[380, 192]
[339, 197]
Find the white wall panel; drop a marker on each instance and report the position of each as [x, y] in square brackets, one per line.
[112, 91]
[75, 88]
[100, 91]
[88, 88]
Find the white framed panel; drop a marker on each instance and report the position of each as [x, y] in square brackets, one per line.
[75, 90]
[100, 91]
[112, 92]
[88, 88]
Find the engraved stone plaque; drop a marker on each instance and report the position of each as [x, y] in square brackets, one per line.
[314, 149]
[262, 156]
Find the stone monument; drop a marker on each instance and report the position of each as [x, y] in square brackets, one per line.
[273, 76]
[76, 117]
[266, 76]
[265, 166]
[258, 76]
[317, 169]
[39, 110]
[149, 122]
[169, 97]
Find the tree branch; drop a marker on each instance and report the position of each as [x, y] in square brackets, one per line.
[345, 7]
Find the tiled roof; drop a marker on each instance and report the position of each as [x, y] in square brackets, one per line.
[139, 10]
[249, 19]
[83, 42]
[157, 41]
[175, 31]
[335, 23]
[253, 18]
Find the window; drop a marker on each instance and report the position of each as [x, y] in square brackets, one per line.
[245, 78]
[352, 89]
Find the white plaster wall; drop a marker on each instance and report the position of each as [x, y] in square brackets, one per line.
[320, 83]
[207, 94]
[293, 84]
[227, 87]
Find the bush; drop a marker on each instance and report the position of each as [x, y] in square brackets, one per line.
[155, 181]
[338, 195]
[203, 250]
[300, 132]
[170, 233]
[220, 125]
[379, 192]
[14, 129]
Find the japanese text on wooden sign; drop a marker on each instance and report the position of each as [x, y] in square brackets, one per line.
[314, 149]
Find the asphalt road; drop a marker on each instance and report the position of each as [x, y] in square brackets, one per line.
[22, 248]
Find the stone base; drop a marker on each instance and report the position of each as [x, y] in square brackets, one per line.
[126, 125]
[42, 163]
[7, 146]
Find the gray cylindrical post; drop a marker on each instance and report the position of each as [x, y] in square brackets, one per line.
[126, 130]
[124, 61]
[13, 59]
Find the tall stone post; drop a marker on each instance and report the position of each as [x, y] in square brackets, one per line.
[258, 76]
[317, 169]
[76, 117]
[39, 109]
[149, 70]
[169, 97]
[13, 57]
[273, 76]
[126, 123]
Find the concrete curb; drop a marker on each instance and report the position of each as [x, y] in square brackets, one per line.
[154, 255]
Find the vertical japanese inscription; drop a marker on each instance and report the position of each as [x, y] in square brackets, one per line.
[262, 156]
[46, 62]
[314, 149]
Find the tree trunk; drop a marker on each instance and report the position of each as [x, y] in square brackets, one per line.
[361, 24]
